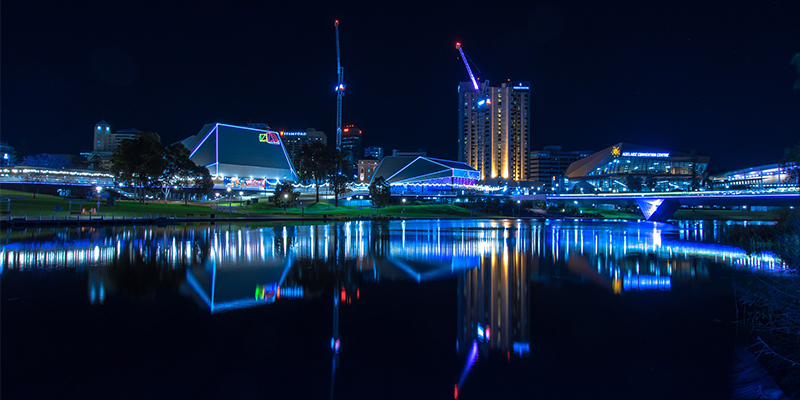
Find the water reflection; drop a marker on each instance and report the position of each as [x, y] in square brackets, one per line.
[230, 266]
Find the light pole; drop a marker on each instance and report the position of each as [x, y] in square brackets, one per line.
[285, 199]
[519, 208]
[404, 208]
[229, 202]
[99, 188]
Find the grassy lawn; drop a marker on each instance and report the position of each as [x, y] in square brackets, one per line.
[23, 203]
[318, 209]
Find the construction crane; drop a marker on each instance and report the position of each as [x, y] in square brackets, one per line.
[483, 98]
[339, 92]
[466, 64]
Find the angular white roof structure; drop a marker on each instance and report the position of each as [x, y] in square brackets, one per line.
[232, 151]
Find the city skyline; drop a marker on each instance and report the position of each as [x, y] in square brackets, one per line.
[679, 76]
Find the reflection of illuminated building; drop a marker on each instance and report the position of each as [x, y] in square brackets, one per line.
[242, 267]
[494, 302]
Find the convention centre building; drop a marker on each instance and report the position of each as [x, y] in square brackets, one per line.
[660, 170]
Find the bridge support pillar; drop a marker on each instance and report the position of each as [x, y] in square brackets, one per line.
[658, 210]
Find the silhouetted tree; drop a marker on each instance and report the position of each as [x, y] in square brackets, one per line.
[791, 163]
[291, 196]
[380, 191]
[337, 179]
[315, 164]
[651, 181]
[45, 160]
[633, 182]
[694, 170]
[139, 161]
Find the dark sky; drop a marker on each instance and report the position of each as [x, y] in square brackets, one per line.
[705, 75]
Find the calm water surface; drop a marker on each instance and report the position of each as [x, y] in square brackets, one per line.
[363, 310]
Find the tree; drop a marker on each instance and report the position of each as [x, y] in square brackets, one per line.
[338, 180]
[380, 191]
[57, 161]
[314, 164]
[651, 181]
[791, 163]
[177, 168]
[96, 162]
[200, 182]
[285, 195]
[139, 162]
[633, 182]
[694, 171]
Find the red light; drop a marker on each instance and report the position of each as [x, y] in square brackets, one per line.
[488, 334]
[356, 293]
[278, 293]
[343, 295]
[458, 44]
[456, 395]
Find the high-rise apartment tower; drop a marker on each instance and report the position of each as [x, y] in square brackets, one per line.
[494, 129]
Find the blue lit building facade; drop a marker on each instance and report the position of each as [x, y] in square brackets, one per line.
[772, 176]
[426, 175]
[241, 157]
[608, 169]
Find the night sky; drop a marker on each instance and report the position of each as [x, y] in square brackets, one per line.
[710, 76]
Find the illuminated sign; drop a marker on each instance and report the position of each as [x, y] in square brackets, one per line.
[643, 154]
[294, 133]
[269, 137]
[615, 151]
[646, 282]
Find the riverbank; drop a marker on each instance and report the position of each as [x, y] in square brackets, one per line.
[24, 209]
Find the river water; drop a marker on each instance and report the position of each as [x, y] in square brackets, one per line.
[438, 309]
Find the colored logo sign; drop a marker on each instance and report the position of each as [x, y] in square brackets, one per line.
[269, 137]
[615, 151]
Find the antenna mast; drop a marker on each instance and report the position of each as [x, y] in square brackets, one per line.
[339, 92]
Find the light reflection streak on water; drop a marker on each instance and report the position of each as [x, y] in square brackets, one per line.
[452, 242]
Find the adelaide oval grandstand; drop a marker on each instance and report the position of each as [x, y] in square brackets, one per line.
[241, 156]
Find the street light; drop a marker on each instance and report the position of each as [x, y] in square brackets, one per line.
[229, 202]
[99, 188]
[404, 208]
[519, 208]
[285, 199]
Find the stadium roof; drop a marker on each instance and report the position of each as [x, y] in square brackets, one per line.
[397, 169]
[230, 150]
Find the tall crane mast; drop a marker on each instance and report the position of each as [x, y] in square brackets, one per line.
[339, 92]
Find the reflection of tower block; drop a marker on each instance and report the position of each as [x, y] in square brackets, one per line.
[494, 305]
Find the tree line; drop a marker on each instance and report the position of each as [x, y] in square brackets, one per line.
[146, 164]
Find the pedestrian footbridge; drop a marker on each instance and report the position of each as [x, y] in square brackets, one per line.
[660, 206]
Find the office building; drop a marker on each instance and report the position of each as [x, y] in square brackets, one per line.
[366, 168]
[494, 129]
[351, 146]
[294, 141]
[549, 164]
[374, 151]
[9, 154]
[414, 153]
[105, 141]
